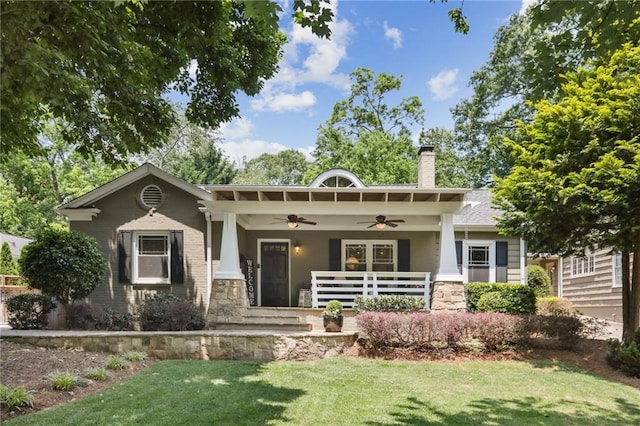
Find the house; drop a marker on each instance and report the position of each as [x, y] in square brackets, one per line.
[229, 247]
[15, 243]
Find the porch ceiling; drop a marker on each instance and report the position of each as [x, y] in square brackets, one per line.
[334, 208]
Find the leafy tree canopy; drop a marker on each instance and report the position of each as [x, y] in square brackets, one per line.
[63, 264]
[530, 57]
[284, 168]
[576, 180]
[369, 136]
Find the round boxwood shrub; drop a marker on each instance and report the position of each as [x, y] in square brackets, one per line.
[539, 281]
[508, 301]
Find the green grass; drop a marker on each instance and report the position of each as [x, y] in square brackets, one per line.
[342, 391]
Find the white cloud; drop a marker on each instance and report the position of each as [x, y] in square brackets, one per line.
[236, 129]
[308, 58]
[525, 5]
[442, 86]
[393, 34]
[284, 102]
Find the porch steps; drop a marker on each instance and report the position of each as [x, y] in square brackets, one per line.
[267, 320]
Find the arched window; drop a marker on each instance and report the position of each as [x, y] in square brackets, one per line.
[337, 178]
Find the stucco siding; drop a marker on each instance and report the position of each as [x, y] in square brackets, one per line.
[593, 293]
[122, 210]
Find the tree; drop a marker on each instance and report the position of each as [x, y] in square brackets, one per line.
[65, 265]
[576, 181]
[450, 171]
[30, 188]
[284, 168]
[530, 56]
[8, 264]
[368, 136]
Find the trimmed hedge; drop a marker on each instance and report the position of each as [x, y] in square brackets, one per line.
[87, 316]
[389, 303]
[508, 298]
[167, 312]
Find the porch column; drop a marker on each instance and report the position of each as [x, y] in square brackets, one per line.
[448, 264]
[229, 268]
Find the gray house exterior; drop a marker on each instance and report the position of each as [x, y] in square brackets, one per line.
[235, 246]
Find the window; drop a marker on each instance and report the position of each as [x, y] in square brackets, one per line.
[151, 258]
[370, 255]
[581, 266]
[478, 255]
[478, 260]
[617, 270]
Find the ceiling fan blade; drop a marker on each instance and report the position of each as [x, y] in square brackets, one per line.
[395, 220]
[371, 226]
[368, 221]
[308, 222]
[391, 224]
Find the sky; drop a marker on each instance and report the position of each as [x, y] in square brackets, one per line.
[414, 39]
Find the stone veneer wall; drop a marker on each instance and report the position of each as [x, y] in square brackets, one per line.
[204, 345]
[229, 302]
[448, 297]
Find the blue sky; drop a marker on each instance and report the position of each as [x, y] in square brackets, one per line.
[414, 39]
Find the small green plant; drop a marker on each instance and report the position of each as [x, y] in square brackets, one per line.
[625, 356]
[63, 381]
[539, 281]
[96, 374]
[14, 397]
[135, 356]
[333, 309]
[117, 363]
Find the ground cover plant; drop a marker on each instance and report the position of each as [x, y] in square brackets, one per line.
[359, 391]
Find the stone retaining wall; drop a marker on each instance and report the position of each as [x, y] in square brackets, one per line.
[197, 345]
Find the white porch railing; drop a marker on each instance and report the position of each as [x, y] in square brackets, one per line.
[346, 285]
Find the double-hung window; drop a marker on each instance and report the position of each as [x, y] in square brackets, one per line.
[617, 269]
[370, 255]
[152, 257]
[581, 266]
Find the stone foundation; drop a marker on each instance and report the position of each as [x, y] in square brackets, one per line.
[228, 303]
[448, 297]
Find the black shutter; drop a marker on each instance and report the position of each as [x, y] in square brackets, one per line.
[501, 253]
[124, 256]
[459, 252]
[177, 257]
[335, 255]
[404, 256]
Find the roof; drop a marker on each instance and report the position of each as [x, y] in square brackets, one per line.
[479, 210]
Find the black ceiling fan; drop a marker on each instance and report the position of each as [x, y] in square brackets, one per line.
[381, 222]
[293, 221]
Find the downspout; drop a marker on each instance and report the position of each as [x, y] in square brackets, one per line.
[523, 262]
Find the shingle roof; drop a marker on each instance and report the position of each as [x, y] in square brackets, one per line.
[478, 214]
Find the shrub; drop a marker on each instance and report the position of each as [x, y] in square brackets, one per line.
[496, 330]
[389, 303]
[8, 265]
[62, 381]
[333, 309]
[117, 363]
[29, 311]
[14, 397]
[87, 316]
[625, 356]
[513, 298]
[539, 281]
[553, 306]
[135, 356]
[168, 312]
[65, 265]
[97, 374]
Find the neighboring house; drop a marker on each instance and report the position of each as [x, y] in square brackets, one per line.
[15, 243]
[160, 233]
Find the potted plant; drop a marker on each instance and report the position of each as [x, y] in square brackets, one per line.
[332, 316]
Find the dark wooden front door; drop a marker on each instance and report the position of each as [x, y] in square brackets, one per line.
[274, 275]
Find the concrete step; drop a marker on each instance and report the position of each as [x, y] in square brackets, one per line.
[263, 326]
[272, 319]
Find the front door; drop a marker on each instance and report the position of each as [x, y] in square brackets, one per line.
[274, 273]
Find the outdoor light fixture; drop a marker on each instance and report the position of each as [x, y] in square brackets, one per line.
[296, 246]
[292, 224]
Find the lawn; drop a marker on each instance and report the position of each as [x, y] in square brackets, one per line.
[353, 391]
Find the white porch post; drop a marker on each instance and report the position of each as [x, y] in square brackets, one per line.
[448, 265]
[229, 268]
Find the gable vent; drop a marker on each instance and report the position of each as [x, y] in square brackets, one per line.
[151, 196]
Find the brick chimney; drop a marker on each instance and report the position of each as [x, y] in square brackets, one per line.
[427, 167]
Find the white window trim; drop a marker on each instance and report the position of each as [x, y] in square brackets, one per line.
[615, 284]
[136, 278]
[369, 252]
[491, 245]
[587, 259]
